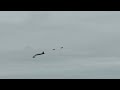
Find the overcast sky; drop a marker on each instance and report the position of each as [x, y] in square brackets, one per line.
[97, 30]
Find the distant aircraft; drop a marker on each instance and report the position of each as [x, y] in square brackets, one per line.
[61, 47]
[38, 54]
[53, 49]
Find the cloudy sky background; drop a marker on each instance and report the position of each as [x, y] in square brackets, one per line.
[91, 41]
[95, 31]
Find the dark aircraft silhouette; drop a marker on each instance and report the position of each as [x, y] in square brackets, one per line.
[38, 54]
[61, 47]
[53, 49]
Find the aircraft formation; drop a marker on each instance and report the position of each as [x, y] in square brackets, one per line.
[43, 52]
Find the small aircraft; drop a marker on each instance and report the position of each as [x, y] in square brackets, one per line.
[61, 47]
[38, 54]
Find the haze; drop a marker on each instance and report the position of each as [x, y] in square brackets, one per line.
[92, 35]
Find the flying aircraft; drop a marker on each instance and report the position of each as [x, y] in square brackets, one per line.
[38, 54]
[61, 47]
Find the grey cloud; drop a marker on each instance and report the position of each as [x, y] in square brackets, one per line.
[95, 31]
